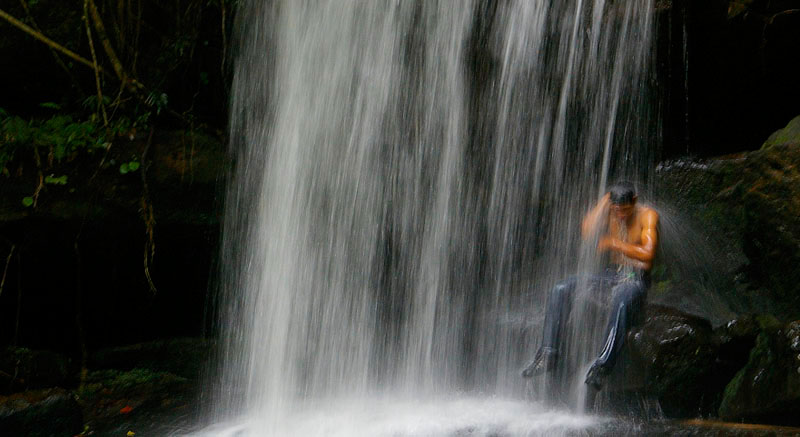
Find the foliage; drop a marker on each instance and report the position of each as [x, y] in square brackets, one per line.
[59, 136]
[124, 381]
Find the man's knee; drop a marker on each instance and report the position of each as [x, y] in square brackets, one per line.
[632, 291]
[563, 288]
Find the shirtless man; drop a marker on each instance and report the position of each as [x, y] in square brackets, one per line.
[630, 241]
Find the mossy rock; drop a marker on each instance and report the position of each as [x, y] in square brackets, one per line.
[116, 383]
[790, 135]
[748, 208]
[767, 389]
[184, 357]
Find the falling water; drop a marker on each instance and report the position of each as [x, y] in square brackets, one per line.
[409, 178]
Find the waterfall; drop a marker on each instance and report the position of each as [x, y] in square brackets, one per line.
[408, 182]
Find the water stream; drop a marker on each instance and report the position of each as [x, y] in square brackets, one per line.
[409, 180]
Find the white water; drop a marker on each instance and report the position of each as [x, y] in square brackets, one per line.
[412, 417]
[395, 217]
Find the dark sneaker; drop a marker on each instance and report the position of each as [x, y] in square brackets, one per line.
[596, 376]
[544, 362]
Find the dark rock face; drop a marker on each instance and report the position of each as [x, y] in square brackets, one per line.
[749, 206]
[767, 389]
[726, 73]
[51, 412]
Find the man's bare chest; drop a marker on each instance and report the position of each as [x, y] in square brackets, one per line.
[628, 232]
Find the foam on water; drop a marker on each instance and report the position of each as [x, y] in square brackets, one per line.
[379, 417]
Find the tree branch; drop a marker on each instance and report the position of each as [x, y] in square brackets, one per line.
[38, 35]
[100, 104]
[122, 75]
[5, 270]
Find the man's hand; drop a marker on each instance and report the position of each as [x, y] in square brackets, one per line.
[595, 218]
[607, 243]
[640, 254]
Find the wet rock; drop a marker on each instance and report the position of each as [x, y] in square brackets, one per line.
[22, 369]
[112, 399]
[767, 389]
[735, 339]
[748, 208]
[183, 357]
[678, 352]
[51, 412]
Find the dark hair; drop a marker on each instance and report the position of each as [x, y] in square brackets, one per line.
[622, 193]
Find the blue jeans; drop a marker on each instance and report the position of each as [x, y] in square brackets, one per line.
[628, 295]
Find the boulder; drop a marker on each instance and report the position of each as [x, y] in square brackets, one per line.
[51, 412]
[767, 389]
[678, 352]
[747, 208]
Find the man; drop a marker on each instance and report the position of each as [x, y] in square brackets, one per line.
[629, 240]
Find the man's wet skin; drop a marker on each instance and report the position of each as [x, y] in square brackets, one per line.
[630, 238]
[628, 235]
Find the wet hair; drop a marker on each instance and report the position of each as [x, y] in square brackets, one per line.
[622, 193]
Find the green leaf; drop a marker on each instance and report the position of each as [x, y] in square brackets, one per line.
[133, 165]
[52, 180]
[123, 168]
[50, 105]
[27, 201]
[17, 129]
[59, 151]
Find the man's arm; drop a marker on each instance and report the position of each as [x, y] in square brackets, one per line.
[644, 252]
[596, 217]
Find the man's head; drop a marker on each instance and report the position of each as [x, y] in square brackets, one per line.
[623, 200]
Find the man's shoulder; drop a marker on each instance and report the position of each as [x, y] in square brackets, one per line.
[648, 213]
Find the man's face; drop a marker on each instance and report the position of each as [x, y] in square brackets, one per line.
[623, 211]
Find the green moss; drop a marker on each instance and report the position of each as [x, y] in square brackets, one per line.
[768, 322]
[739, 397]
[727, 407]
[662, 287]
[788, 135]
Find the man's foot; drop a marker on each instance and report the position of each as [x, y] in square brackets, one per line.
[544, 362]
[596, 376]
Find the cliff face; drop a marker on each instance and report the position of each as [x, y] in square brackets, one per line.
[747, 208]
[726, 73]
